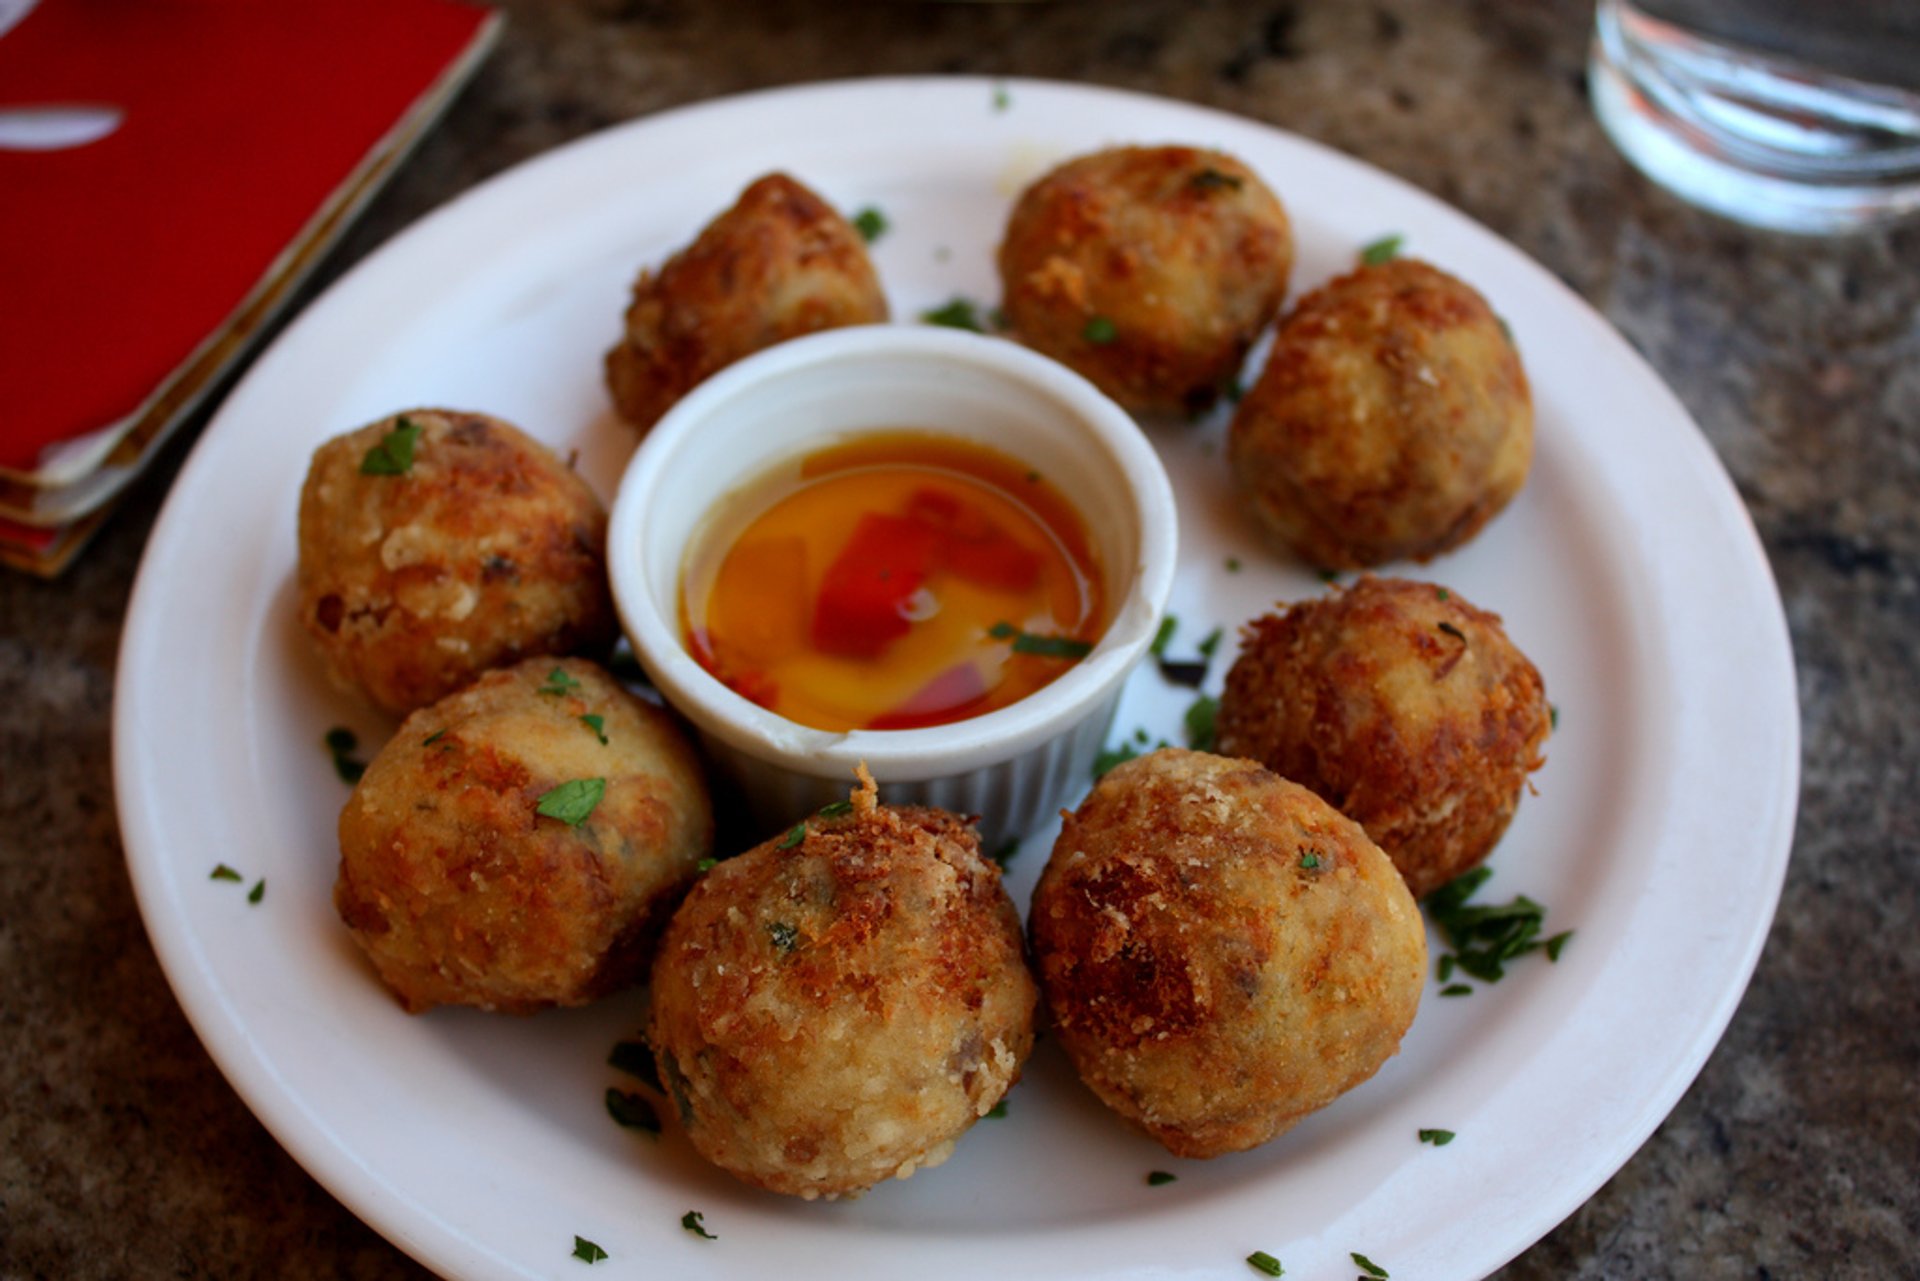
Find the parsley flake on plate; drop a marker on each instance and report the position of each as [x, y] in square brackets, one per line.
[1159, 1178]
[573, 800]
[870, 223]
[957, 314]
[258, 892]
[221, 872]
[586, 1251]
[1261, 1261]
[1367, 1265]
[635, 1058]
[341, 744]
[632, 1111]
[1199, 721]
[1439, 1138]
[693, 1221]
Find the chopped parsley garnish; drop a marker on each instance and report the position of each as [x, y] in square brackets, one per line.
[1189, 674]
[1506, 330]
[393, 456]
[258, 892]
[1310, 860]
[836, 809]
[1111, 757]
[1457, 989]
[958, 314]
[1261, 1261]
[692, 1222]
[795, 834]
[1211, 179]
[1485, 936]
[870, 223]
[341, 743]
[1452, 631]
[587, 1251]
[1168, 626]
[1329, 575]
[1141, 736]
[1553, 716]
[706, 865]
[1004, 853]
[573, 800]
[1210, 644]
[998, 1111]
[1001, 98]
[1439, 1138]
[1199, 721]
[784, 936]
[1383, 250]
[433, 738]
[558, 682]
[632, 1111]
[1440, 593]
[635, 1058]
[1100, 330]
[598, 724]
[1367, 1265]
[221, 872]
[1233, 564]
[1159, 1178]
[1444, 969]
[1038, 645]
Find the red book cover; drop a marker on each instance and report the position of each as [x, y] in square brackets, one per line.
[242, 127]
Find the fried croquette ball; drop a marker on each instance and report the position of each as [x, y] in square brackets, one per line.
[437, 544]
[1392, 420]
[519, 844]
[780, 263]
[1150, 270]
[1222, 951]
[837, 1006]
[1404, 706]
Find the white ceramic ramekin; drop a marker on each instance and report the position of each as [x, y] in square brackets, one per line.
[1012, 767]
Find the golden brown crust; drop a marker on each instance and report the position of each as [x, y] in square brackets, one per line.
[462, 893]
[779, 263]
[1392, 420]
[485, 550]
[1403, 705]
[835, 1008]
[1222, 953]
[1183, 252]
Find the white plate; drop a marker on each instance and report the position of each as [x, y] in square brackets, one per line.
[1627, 569]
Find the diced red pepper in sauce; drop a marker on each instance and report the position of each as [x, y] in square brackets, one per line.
[975, 547]
[867, 591]
[940, 701]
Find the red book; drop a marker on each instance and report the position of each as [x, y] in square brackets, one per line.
[135, 267]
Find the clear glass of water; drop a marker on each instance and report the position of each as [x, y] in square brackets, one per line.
[1795, 115]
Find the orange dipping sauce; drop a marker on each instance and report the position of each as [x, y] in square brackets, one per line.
[897, 581]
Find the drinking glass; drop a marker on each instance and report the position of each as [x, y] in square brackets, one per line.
[1796, 115]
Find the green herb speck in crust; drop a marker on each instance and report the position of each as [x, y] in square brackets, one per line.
[572, 801]
[836, 809]
[558, 682]
[1100, 330]
[795, 834]
[393, 456]
[598, 724]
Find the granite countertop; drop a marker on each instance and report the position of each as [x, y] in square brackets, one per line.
[123, 1152]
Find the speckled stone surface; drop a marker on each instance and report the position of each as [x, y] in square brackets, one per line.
[123, 1153]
